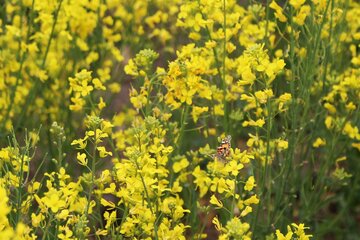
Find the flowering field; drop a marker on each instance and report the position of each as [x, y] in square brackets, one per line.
[178, 119]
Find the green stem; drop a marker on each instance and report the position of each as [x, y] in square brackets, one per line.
[46, 230]
[266, 176]
[93, 172]
[60, 153]
[233, 203]
[224, 87]
[183, 123]
[267, 170]
[139, 171]
[293, 123]
[267, 24]
[19, 74]
[34, 90]
[19, 190]
[148, 106]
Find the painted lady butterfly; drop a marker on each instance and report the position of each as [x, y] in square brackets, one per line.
[223, 150]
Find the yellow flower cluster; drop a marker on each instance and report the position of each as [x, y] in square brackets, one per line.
[296, 231]
[132, 99]
[152, 205]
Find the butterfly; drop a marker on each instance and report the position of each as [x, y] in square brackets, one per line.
[223, 150]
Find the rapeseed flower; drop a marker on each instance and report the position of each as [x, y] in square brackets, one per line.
[217, 66]
[278, 12]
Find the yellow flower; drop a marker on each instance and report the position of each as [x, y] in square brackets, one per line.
[195, 36]
[216, 202]
[82, 160]
[180, 165]
[32, 188]
[350, 106]
[82, 45]
[219, 110]
[356, 145]
[352, 132]
[217, 224]
[300, 231]
[284, 100]
[131, 68]
[77, 103]
[237, 229]
[319, 142]
[103, 153]
[98, 84]
[199, 22]
[187, 95]
[230, 47]
[281, 236]
[257, 123]
[278, 11]
[299, 19]
[110, 218]
[202, 180]
[252, 200]
[250, 183]
[54, 201]
[4, 207]
[286, 97]
[246, 211]
[36, 219]
[233, 167]
[282, 144]
[210, 44]
[66, 233]
[247, 77]
[222, 185]
[114, 87]
[4, 154]
[340, 173]
[329, 122]
[101, 232]
[176, 188]
[253, 140]
[197, 111]
[107, 203]
[297, 3]
[63, 214]
[82, 142]
[263, 96]
[330, 108]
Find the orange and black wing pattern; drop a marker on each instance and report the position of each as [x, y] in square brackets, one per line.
[223, 150]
